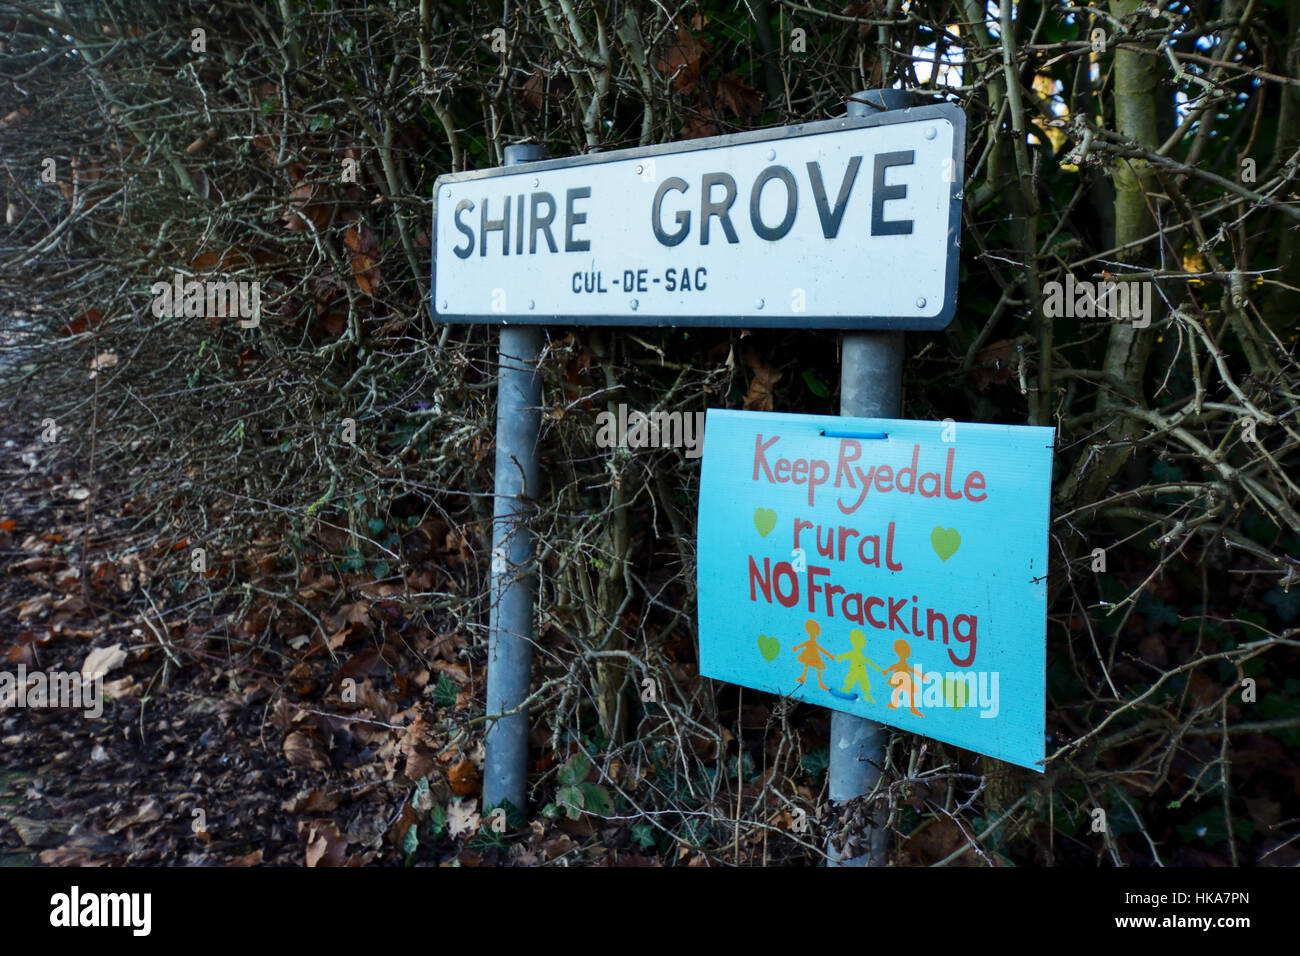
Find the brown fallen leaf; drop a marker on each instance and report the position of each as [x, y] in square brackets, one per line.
[681, 60]
[463, 778]
[325, 845]
[303, 753]
[102, 660]
[759, 396]
[994, 364]
[462, 818]
[736, 96]
[147, 812]
[312, 801]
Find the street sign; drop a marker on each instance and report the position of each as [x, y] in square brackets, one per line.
[844, 223]
[895, 570]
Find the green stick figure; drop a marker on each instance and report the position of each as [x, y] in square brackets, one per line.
[858, 665]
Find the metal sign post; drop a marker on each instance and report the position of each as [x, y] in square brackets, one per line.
[871, 386]
[510, 649]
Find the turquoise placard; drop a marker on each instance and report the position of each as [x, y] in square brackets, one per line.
[896, 570]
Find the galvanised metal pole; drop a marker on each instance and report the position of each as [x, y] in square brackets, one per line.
[871, 386]
[513, 586]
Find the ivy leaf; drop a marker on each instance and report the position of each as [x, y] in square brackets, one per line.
[815, 383]
[570, 798]
[438, 819]
[643, 835]
[411, 843]
[444, 692]
[574, 770]
[596, 799]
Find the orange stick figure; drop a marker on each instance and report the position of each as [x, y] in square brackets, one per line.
[810, 654]
[902, 678]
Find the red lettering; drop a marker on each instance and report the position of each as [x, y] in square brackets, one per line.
[760, 456]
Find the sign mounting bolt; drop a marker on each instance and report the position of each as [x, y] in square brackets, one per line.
[931, 132]
[639, 170]
[532, 304]
[534, 183]
[920, 303]
[759, 304]
[446, 194]
[444, 305]
[771, 154]
[635, 303]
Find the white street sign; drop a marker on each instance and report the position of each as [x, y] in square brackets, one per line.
[846, 223]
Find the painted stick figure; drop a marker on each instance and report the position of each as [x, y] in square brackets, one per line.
[902, 678]
[858, 665]
[810, 654]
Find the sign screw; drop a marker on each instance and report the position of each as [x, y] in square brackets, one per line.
[534, 183]
[638, 170]
[771, 154]
[920, 303]
[444, 304]
[532, 304]
[931, 132]
[759, 305]
[446, 194]
[635, 303]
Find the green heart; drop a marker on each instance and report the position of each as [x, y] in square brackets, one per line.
[955, 692]
[769, 647]
[764, 521]
[945, 542]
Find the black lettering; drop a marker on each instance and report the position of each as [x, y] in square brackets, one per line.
[683, 216]
[709, 209]
[577, 282]
[627, 280]
[641, 285]
[832, 217]
[699, 279]
[519, 225]
[487, 225]
[762, 230]
[670, 280]
[573, 218]
[464, 206]
[880, 194]
[542, 224]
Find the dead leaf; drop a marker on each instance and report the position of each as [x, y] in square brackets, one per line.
[462, 818]
[325, 845]
[681, 61]
[303, 753]
[364, 247]
[759, 396]
[102, 361]
[737, 97]
[463, 777]
[147, 812]
[994, 364]
[102, 660]
[32, 608]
